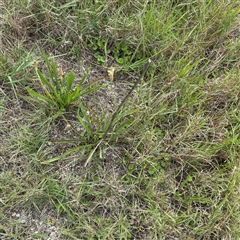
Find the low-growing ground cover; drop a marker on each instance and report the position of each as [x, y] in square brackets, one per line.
[79, 160]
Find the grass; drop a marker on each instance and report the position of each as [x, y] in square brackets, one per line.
[168, 167]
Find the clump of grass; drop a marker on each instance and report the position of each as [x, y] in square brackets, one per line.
[60, 90]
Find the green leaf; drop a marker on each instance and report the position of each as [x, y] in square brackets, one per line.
[124, 47]
[45, 81]
[40, 96]
[126, 123]
[83, 78]
[45, 57]
[101, 43]
[151, 170]
[55, 75]
[61, 100]
[52, 71]
[75, 94]
[131, 166]
[189, 178]
[101, 59]
[91, 89]
[118, 46]
[120, 60]
[124, 114]
[94, 47]
[64, 154]
[163, 163]
[85, 119]
[69, 81]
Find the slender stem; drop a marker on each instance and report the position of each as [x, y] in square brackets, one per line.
[117, 111]
[126, 97]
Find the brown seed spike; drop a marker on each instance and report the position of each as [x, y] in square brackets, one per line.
[61, 73]
[35, 64]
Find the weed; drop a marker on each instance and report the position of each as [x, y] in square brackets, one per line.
[120, 51]
[60, 91]
[115, 121]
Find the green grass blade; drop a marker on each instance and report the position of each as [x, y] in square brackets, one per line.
[86, 91]
[124, 124]
[84, 120]
[83, 79]
[46, 60]
[92, 152]
[51, 160]
[124, 114]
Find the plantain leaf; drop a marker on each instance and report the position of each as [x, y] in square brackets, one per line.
[69, 81]
[60, 99]
[55, 76]
[40, 96]
[75, 94]
[45, 81]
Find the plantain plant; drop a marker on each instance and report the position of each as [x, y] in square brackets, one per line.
[60, 90]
